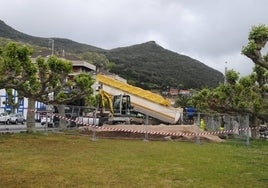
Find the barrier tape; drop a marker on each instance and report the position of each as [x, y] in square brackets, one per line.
[86, 125]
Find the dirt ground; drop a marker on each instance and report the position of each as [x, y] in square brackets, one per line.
[151, 132]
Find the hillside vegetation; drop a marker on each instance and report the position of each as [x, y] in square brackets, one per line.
[146, 65]
[60, 43]
[149, 63]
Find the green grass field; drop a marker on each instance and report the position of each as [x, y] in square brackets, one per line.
[59, 160]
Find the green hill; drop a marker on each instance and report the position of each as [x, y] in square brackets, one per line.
[60, 43]
[146, 65]
[150, 65]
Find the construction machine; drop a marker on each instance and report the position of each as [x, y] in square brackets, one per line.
[143, 102]
[120, 109]
[132, 105]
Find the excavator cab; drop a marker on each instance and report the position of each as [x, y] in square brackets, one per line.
[121, 105]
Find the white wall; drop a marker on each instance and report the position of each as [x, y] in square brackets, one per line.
[23, 106]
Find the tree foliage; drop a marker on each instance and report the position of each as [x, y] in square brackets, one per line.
[242, 95]
[95, 58]
[40, 79]
[236, 96]
[183, 101]
[258, 38]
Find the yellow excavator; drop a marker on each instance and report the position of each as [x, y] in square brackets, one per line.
[119, 109]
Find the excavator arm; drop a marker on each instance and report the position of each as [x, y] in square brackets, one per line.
[104, 95]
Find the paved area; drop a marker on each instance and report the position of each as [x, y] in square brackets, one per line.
[21, 128]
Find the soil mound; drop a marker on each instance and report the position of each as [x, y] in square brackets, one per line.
[152, 132]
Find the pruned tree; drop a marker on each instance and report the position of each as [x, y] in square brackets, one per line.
[236, 96]
[242, 95]
[258, 38]
[37, 80]
[255, 50]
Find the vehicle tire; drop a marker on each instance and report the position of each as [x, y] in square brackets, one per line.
[16, 122]
[22, 122]
[7, 122]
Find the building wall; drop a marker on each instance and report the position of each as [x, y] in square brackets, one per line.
[23, 108]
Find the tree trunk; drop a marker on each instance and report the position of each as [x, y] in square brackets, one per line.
[62, 123]
[253, 130]
[31, 116]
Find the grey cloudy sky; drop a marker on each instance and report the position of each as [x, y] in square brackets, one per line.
[211, 31]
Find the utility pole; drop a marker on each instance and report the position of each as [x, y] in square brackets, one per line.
[52, 45]
[225, 72]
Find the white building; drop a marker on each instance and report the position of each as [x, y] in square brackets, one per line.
[23, 106]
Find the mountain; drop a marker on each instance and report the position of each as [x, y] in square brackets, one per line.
[149, 63]
[66, 44]
[146, 65]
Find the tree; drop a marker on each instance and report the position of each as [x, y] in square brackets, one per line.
[242, 95]
[110, 66]
[255, 50]
[97, 59]
[183, 101]
[37, 80]
[258, 38]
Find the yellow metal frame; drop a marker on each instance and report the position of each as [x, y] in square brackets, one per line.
[133, 90]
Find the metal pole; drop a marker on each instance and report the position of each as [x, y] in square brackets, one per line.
[247, 125]
[198, 130]
[225, 72]
[94, 135]
[46, 125]
[52, 46]
[146, 128]
[94, 124]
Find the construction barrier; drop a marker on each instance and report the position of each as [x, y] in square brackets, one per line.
[230, 131]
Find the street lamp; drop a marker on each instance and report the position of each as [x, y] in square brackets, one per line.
[225, 72]
[52, 45]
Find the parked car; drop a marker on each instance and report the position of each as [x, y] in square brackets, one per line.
[4, 118]
[17, 118]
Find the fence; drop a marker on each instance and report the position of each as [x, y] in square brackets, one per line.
[229, 126]
[225, 125]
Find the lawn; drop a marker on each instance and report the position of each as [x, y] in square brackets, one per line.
[61, 160]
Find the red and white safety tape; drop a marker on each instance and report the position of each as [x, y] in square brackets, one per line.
[86, 125]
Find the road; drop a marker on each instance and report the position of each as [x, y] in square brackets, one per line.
[22, 128]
